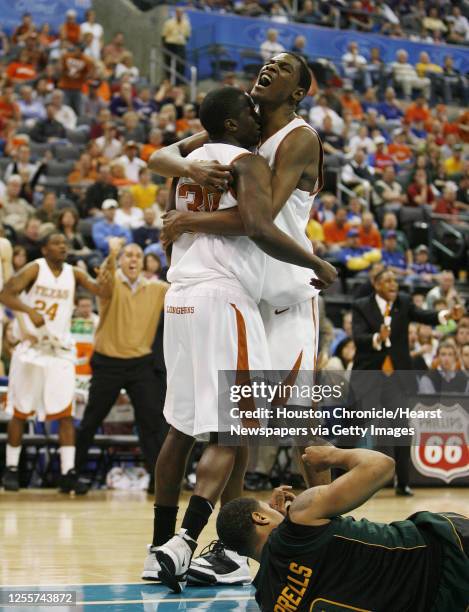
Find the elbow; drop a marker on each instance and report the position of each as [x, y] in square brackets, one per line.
[388, 467]
[257, 232]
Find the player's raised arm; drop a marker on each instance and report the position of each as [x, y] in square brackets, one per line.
[367, 472]
[171, 161]
[9, 296]
[252, 180]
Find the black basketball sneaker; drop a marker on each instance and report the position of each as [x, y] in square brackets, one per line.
[219, 565]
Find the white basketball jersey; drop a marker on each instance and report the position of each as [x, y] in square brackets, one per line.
[286, 284]
[53, 297]
[230, 261]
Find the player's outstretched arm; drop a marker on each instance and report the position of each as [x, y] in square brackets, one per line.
[9, 296]
[252, 181]
[171, 161]
[367, 472]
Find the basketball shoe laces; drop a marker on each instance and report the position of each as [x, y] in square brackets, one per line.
[215, 549]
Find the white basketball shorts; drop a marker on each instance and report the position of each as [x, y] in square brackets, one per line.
[207, 330]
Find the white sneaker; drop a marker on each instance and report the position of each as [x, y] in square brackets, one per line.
[175, 558]
[151, 567]
[219, 565]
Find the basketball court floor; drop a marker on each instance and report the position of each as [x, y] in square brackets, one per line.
[95, 545]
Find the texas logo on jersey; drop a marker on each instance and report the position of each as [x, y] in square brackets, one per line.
[440, 447]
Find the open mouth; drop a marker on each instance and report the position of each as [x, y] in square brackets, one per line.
[265, 79]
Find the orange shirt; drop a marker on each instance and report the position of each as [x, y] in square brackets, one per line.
[417, 113]
[334, 233]
[147, 150]
[21, 72]
[372, 238]
[72, 32]
[76, 177]
[103, 91]
[9, 109]
[399, 152]
[75, 71]
[353, 105]
[464, 120]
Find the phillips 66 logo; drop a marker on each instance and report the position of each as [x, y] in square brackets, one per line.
[440, 447]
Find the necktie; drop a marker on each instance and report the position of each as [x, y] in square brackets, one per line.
[387, 366]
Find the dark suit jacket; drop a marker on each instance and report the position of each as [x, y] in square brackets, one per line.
[367, 320]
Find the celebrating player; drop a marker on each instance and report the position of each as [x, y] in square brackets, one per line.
[289, 305]
[312, 558]
[42, 374]
[211, 310]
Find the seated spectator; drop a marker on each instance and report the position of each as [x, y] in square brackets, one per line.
[15, 210]
[102, 189]
[387, 193]
[446, 378]
[322, 110]
[448, 204]
[30, 239]
[145, 105]
[23, 165]
[432, 22]
[131, 162]
[380, 159]
[152, 268]
[126, 66]
[445, 290]
[64, 114]
[124, 101]
[47, 212]
[69, 31]
[355, 209]
[97, 126]
[128, 215]
[354, 67]
[390, 108]
[106, 228]
[84, 173]
[9, 108]
[351, 103]
[357, 175]
[310, 14]
[425, 348]
[22, 32]
[406, 76]
[92, 103]
[189, 123]
[341, 333]
[361, 141]
[454, 165]
[425, 67]
[343, 356]
[109, 145]
[419, 192]
[31, 109]
[155, 143]
[392, 256]
[271, 46]
[417, 111]
[67, 222]
[115, 49]
[451, 83]
[299, 47]
[89, 26]
[157, 249]
[399, 150]
[333, 143]
[119, 178]
[424, 271]
[368, 233]
[132, 128]
[370, 101]
[144, 192]
[21, 70]
[355, 257]
[147, 233]
[19, 258]
[315, 233]
[458, 26]
[462, 333]
[279, 13]
[335, 231]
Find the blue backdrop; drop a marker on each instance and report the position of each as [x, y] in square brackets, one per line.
[232, 31]
[51, 11]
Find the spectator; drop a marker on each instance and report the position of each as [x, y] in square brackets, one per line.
[310, 14]
[370, 101]
[127, 67]
[419, 193]
[354, 67]
[152, 269]
[451, 83]
[84, 173]
[392, 257]
[343, 357]
[390, 224]
[106, 228]
[124, 101]
[333, 143]
[98, 123]
[131, 162]
[361, 141]
[30, 239]
[147, 233]
[387, 193]
[368, 233]
[425, 348]
[355, 209]
[15, 210]
[299, 47]
[145, 104]
[47, 212]
[96, 30]
[70, 30]
[399, 150]
[446, 378]
[355, 257]
[31, 109]
[22, 164]
[454, 165]
[19, 258]
[465, 359]
[279, 13]
[102, 189]
[175, 34]
[380, 159]
[357, 175]
[109, 145]
[128, 215]
[75, 68]
[406, 76]
[119, 178]
[417, 111]
[64, 114]
[67, 222]
[271, 46]
[114, 51]
[335, 231]
[144, 192]
[318, 113]
[445, 290]
[390, 108]
[458, 26]
[448, 204]
[84, 310]
[21, 70]
[24, 30]
[432, 22]
[351, 103]
[425, 67]
[9, 108]
[423, 270]
[132, 129]
[92, 104]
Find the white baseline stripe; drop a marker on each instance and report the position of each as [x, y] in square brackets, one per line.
[163, 601]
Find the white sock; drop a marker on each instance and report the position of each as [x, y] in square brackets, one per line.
[13, 456]
[67, 458]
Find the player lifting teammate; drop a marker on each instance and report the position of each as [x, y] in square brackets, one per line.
[211, 310]
[289, 301]
[42, 373]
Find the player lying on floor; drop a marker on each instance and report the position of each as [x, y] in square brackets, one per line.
[312, 558]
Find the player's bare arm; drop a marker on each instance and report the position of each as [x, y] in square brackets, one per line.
[367, 472]
[251, 175]
[6, 256]
[171, 161]
[23, 280]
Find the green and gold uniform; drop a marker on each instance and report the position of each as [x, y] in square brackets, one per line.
[417, 565]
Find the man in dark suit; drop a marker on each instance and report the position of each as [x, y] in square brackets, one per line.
[380, 331]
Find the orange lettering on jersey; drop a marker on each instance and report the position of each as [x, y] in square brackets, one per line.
[49, 292]
[300, 569]
[291, 596]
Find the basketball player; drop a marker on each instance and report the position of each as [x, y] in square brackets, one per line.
[42, 373]
[289, 305]
[212, 323]
[312, 558]
[6, 255]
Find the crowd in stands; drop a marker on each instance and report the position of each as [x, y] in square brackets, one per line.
[78, 124]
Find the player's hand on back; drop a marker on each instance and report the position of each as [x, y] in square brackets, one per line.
[172, 226]
[280, 497]
[210, 174]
